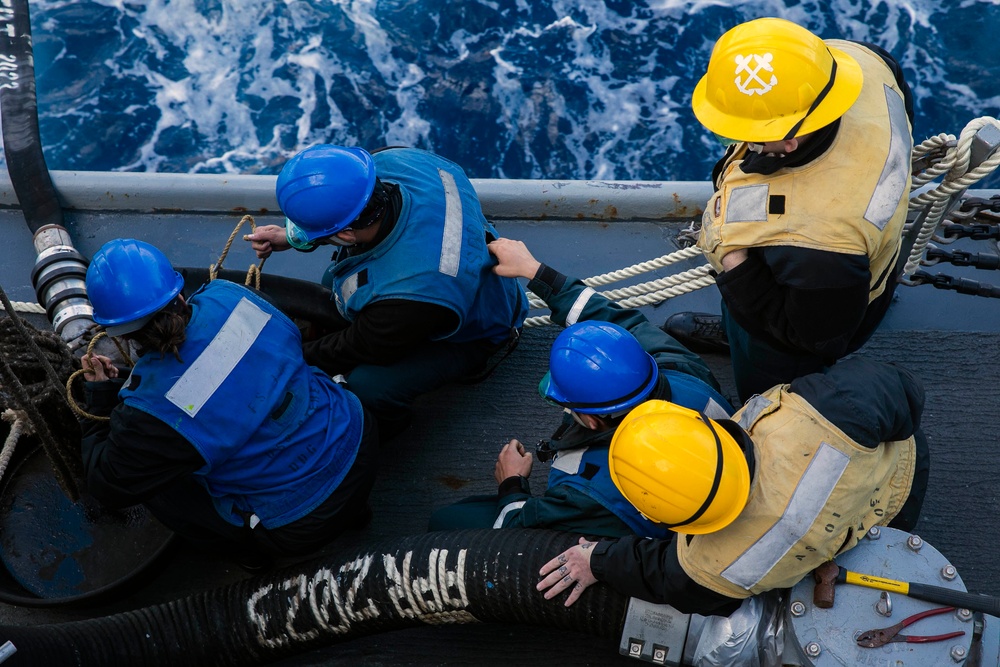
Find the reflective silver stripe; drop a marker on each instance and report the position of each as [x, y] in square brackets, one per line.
[579, 305]
[715, 411]
[207, 373]
[747, 204]
[752, 410]
[810, 496]
[892, 183]
[569, 460]
[507, 510]
[349, 287]
[451, 241]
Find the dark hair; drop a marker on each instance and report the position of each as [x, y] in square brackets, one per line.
[166, 332]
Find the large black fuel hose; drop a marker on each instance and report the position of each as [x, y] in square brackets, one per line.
[19, 110]
[439, 578]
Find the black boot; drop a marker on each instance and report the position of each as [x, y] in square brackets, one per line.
[698, 332]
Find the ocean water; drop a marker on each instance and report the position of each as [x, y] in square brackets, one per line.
[506, 88]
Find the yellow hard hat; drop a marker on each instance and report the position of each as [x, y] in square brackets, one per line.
[679, 468]
[771, 79]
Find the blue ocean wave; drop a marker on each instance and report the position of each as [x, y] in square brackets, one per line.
[506, 88]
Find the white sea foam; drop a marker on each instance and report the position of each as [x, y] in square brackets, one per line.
[563, 89]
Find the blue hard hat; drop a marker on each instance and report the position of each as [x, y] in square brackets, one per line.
[128, 281]
[598, 368]
[323, 188]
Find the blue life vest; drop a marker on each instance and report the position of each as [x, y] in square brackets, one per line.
[277, 435]
[435, 253]
[585, 468]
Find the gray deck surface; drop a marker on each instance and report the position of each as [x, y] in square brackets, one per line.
[950, 340]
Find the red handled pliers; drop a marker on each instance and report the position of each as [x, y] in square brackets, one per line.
[881, 637]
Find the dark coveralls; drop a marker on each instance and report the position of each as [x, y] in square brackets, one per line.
[563, 507]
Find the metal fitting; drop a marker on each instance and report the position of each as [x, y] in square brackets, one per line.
[914, 542]
[958, 653]
[635, 649]
[964, 615]
[813, 649]
[949, 572]
[798, 608]
[874, 533]
[884, 605]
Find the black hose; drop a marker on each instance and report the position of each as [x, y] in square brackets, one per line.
[19, 109]
[437, 578]
[296, 298]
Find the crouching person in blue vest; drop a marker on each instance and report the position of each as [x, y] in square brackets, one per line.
[222, 430]
[607, 361]
[411, 277]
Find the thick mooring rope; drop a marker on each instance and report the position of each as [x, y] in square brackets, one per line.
[957, 177]
[19, 425]
[27, 354]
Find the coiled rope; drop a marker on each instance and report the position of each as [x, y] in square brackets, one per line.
[957, 177]
[31, 363]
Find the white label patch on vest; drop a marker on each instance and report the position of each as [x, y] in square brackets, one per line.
[348, 288]
[752, 74]
[569, 460]
[747, 204]
[203, 377]
[581, 302]
[810, 496]
[892, 183]
[451, 238]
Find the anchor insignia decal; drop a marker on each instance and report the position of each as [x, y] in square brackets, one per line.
[752, 65]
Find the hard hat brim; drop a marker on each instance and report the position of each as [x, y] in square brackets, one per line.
[552, 393]
[120, 326]
[844, 92]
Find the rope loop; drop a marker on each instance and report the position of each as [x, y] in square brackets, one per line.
[73, 405]
[957, 177]
[253, 273]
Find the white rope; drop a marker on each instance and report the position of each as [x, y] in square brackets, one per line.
[955, 166]
[27, 307]
[636, 269]
[20, 424]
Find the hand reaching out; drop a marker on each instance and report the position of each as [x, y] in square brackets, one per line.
[267, 239]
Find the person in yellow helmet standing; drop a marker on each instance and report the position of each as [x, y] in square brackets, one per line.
[804, 228]
[798, 477]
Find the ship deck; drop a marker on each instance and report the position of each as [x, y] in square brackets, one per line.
[951, 341]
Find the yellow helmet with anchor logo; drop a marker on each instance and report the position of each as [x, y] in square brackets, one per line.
[679, 468]
[771, 80]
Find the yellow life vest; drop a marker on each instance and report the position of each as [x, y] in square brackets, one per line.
[851, 200]
[815, 493]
